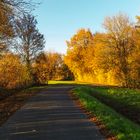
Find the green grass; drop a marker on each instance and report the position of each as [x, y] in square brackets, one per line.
[129, 97]
[118, 125]
[61, 82]
[53, 82]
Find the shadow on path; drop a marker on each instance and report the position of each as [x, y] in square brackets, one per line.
[50, 115]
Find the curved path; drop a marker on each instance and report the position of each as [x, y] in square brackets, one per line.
[50, 115]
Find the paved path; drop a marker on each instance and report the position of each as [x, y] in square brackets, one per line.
[50, 115]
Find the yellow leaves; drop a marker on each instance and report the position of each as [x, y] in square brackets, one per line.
[48, 66]
[109, 58]
[80, 40]
[77, 48]
[12, 73]
[138, 19]
[5, 25]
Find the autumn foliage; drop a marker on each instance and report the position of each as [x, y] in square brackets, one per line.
[13, 74]
[50, 66]
[20, 43]
[111, 58]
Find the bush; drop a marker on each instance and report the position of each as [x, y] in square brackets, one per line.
[13, 74]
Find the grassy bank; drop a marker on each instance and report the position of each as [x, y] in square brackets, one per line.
[118, 125]
[123, 100]
[12, 103]
[124, 95]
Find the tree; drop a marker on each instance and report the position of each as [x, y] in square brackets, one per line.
[50, 66]
[76, 57]
[17, 6]
[13, 74]
[111, 57]
[6, 29]
[66, 73]
[120, 41]
[9, 11]
[40, 70]
[54, 64]
[134, 58]
[29, 41]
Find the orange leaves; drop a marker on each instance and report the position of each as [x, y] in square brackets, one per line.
[80, 40]
[77, 48]
[106, 58]
[12, 73]
[50, 66]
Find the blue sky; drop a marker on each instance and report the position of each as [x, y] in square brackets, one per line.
[59, 20]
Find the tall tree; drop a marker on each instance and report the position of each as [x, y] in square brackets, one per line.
[30, 42]
[135, 56]
[17, 6]
[76, 57]
[9, 10]
[120, 41]
[6, 30]
[109, 58]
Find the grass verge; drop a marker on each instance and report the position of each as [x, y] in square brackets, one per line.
[127, 96]
[13, 102]
[123, 100]
[119, 126]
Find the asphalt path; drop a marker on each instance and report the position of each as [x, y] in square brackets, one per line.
[50, 115]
